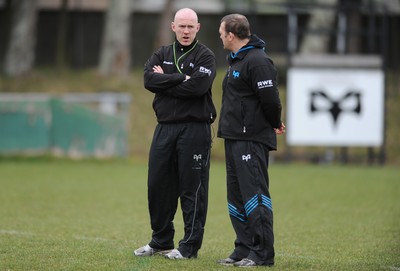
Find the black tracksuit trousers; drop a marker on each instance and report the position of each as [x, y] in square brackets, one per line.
[249, 201]
[179, 169]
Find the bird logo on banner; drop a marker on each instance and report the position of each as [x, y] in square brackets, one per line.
[322, 102]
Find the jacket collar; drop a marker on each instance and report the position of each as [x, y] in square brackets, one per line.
[254, 43]
[182, 49]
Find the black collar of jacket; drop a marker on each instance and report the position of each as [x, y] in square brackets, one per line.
[254, 43]
[183, 49]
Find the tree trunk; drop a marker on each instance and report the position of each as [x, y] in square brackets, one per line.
[20, 53]
[115, 52]
[320, 19]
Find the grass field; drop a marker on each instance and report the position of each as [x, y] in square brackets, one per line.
[90, 215]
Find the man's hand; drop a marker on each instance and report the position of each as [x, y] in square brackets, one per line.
[281, 130]
[158, 69]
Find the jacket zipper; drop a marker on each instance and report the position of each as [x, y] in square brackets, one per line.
[242, 111]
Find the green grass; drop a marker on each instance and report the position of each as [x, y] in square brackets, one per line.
[90, 215]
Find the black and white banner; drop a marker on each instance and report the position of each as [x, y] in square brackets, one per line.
[335, 107]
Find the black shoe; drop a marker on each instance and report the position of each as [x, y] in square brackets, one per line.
[245, 263]
[228, 261]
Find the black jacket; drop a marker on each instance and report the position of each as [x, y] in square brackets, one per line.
[177, 100]
[251, 106]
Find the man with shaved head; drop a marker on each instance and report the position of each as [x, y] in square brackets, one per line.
[180, 75]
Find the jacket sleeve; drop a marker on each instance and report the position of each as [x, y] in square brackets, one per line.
[264, 83]
[157, 82]
[200, 80]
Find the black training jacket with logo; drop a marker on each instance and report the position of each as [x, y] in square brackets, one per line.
[177, 100]
[251, 106]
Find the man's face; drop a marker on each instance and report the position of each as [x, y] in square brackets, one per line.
[225, 37]
[185, 28]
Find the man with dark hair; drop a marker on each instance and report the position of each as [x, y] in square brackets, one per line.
[249, 121]
[181, 76]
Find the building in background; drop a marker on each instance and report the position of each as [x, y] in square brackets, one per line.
[270, 20]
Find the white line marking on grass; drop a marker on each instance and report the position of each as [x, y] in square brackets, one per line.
[24, 233]
[97, 239]
[394, 268]
[15, 232]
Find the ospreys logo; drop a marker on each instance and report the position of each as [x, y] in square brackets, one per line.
[246, 157]
[322, 102]
[236, 74]
[197, 158]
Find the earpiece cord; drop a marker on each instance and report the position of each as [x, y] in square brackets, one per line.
[177, 61]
